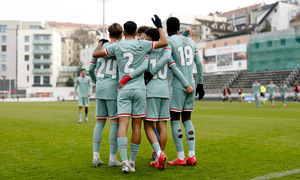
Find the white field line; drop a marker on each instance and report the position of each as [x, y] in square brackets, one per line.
[277, 175]
[236, 117]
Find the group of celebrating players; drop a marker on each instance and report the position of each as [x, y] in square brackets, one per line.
[132, 81]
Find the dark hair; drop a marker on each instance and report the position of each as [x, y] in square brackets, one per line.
[153, 33]
[115, 30]
[142, 29]
[82, 69]
[130, 27]
[173, 24]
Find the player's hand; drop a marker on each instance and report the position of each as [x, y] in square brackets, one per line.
[123, 81]
[156, 21]
[147, 77]
[89, 95]
[200, 91]
[189, 89]
[103, 41]
[191, 31]
[120, 85]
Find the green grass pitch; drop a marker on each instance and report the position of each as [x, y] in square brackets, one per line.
[42, 140]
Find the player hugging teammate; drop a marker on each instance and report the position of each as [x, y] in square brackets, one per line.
[128, 60]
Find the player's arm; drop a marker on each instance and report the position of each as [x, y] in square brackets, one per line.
[180, 77]
[136, 73]
[188, 31]
[75, 89]
[199, 89]
[163, 42]
[99, 52]
[92, 68]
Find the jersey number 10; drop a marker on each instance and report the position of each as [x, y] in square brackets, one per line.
[161, 75]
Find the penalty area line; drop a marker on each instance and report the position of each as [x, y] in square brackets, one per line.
[277, 175]
[236, 117]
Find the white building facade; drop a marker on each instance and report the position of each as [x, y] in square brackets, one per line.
[39, 58]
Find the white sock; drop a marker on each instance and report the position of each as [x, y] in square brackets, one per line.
[132, 162]
[96, 155]
[112, 157]
[158, 153]
[181, 155]
[191, 154]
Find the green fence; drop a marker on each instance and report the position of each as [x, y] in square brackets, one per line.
[278, 52]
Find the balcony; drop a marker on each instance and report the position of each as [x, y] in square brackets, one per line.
[42, 61]
[42, 51]
[42, 71]
[42, 42]
[42, 85]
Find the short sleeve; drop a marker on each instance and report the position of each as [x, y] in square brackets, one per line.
[111, 50]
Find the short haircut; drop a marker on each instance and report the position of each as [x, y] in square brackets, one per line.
[115, 30]
[153, 33]
[82, 69]
[173, 24]
[142, 29]
[130, 27]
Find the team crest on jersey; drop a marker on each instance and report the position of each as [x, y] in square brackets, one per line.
[85, 80]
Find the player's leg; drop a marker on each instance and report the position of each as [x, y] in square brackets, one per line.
[189, 128]
[80, 104]
[177, 102]
[114, 127]
[101, 115]
[124, 113]
[284, 100]
[257, 99]
[298, 95]
[295, 97]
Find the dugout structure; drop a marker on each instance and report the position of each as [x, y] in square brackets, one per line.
[278, 50]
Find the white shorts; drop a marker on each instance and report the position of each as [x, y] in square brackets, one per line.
[240, 96]
[229, 95]
[224, 97]
[296, 94]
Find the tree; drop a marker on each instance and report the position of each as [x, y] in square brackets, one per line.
[70, 82]
[267, 27]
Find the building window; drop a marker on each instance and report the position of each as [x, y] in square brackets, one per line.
[37, 37]
[37, 80]
[26, 48]
[206, 29]
[238, 42]
[3, 38]
[275, 10]
[37, 56]
[27, 78]
[70, 59]
[47, 47]
[282, 42]
[46, 79]
[67, 34]
[3, 28]
[63, 54]
[47, 66]
[70, 43]
[46, 56]
[37, 47]
[3, 67]
[3, 58]
[226, 44]
[269, 43]
[3, 48]
[63, 47]
[26, 38]
[37, 66]
[69, 51]
[257, 45]
[26, 57]
[214, 45]
[206, 36]
[46, 37]
[27, 67]
[35, 27]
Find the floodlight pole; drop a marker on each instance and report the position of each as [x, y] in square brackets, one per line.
[103, 26]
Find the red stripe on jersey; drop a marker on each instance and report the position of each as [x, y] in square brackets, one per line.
[151, 119]
[147, 57]
[106, 52]
[171, 63]
[196, 52]
[92, 62]
[152, 46]
[114, 117]
[168, 49]
[136, 116]
[176, 110]
[101, 117]
[161, 119]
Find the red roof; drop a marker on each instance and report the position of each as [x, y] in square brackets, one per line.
[54, 23]
[240, 11]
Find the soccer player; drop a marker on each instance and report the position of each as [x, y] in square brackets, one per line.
[224, 94]
[271, 87]
[284, 92]
[256, 91]
[158, 94]
[184, 53]
[296, 93]
[106, 80]
[240, 91]
[85, 90]
[141, 32]
[229, 94]
[262, 93]
[130, 55]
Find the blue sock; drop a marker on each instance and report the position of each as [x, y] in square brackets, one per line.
[113, 138]
[97, 136]
[86, 115]
[122, 144]
[134, 149]
[80, 115]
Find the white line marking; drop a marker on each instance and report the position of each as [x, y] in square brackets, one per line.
[277, 175]
[235, 117]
